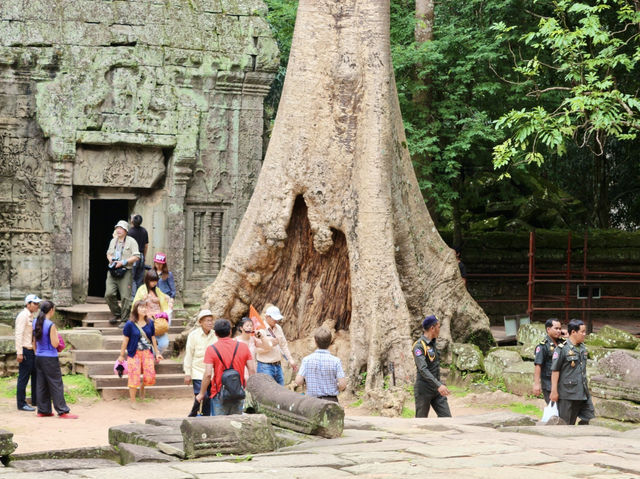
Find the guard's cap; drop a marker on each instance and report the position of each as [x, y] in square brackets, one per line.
[429, 321]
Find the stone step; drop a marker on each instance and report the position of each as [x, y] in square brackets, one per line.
[156, 392]
[103, 323]
[116, 331]
[102, 381]
[83, 355]
[113, 342]
[92, 368]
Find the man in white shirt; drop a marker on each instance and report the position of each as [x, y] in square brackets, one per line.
[197, 343]
[271, 346]
[24, 352]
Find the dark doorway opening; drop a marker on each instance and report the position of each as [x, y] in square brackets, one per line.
[104, 214]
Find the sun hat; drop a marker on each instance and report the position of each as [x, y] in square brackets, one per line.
[122, 224]
[274, 312]
[204, 313]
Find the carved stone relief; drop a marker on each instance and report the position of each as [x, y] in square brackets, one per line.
[204, 241]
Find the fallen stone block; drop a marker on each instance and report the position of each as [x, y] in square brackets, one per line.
[44, 465]
[531, 333]
[6, 330]
[498, 360]
[291, 410]
[144, 434]
[619, 410]
[518, 378]
[620, 377]
[607, 388]
[236, 434]
[7, 344]
[130, 453]
[82, 338]
[467, 357]
[7, 446]
[99, 452]
[610, 337]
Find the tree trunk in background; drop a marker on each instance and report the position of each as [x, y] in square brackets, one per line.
[424, 20]
[336, 227]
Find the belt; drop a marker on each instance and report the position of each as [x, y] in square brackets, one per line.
[329, 398]
[276, 363]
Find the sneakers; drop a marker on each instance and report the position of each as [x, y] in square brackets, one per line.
[68, 415]
[115, 320]
[43, 414]
[26, 407]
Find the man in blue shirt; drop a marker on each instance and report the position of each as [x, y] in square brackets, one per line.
[321, 370]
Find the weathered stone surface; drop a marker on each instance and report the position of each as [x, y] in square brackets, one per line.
[7, 446]
[237, 434]
[518, 378]
[6, 330]
[134, 453]
[528, 351]
[144, 434]
[531, 333]
[294, 411]
[44, 465]
[139, 470]
[467, 357]
[105, 452]
[610, 337]
[7, 345]
[608, 388]
[498, 360]
[82, 338]
[622, 366]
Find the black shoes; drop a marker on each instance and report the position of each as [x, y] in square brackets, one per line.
[26, 407]
[113, 321]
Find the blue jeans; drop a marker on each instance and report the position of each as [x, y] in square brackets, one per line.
[206, 407]
[218, 408]
[273, 370]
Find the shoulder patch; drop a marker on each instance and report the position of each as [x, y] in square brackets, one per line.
[561, 345]
[418, 352]
[544, 341]
[537, 349]
[555, 355]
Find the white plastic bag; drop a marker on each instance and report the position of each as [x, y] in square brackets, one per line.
[549, 411]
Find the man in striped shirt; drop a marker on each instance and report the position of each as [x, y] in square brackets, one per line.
[321, 370]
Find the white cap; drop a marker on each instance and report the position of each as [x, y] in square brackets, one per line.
[204, 313]
[274, 313]
[32, 298]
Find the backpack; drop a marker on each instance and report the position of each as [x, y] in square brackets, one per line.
[231, 389]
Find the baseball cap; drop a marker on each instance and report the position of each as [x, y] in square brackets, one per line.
[160, 258]
[429, 321]
[204, 313]
[122, 224]
[32, 298]
[274, 312]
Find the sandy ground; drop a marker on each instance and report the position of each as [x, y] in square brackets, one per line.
[33, 433]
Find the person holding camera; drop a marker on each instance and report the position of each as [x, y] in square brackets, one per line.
[122, 253]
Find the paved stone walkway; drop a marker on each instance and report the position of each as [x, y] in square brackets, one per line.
[374, 447]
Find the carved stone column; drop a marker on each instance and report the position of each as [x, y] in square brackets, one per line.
[59, 222]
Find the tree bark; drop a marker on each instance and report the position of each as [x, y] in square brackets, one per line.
[336, 226]
[424, 20]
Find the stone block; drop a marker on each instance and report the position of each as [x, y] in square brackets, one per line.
[531, 333]
[82, 338]
[518, 378]
[288, 409]
[620, 410]
[144, 434]
[45, 465]
[236, 434]
[467, 357]
[7, 345]
[134, 453]
[6, 330]
[498, 360]
[610, 337]
[7, 446]
[528, 351]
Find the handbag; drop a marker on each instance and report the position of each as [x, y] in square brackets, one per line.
[117, 272]
[161, 324]
[61, 344]
[550, 411]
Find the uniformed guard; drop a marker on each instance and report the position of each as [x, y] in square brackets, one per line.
[569, 386]
[544, 354]
[428, 390]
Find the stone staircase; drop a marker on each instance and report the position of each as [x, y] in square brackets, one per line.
[97, 364]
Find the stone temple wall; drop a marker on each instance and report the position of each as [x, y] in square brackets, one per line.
[153, 102]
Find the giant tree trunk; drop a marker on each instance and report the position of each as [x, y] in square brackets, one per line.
[337, 227]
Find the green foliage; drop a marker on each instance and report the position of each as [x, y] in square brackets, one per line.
[357, 403]
[457, 391]
[407, 413]
[77, 386]
[528, 409]
[8, 386]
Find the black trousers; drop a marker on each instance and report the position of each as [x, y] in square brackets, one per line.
[426, 398]
[206, 401]
[585, 414]
[50, 387]
[569, 410]
[26, 371]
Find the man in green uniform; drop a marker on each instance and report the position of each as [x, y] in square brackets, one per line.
[569, 377]
[428, 390]
[542, 361]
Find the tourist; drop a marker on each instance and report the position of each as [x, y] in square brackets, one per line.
[321, 370]
[193, 365]
[271, 346]
[138, 346]
[49, 382]
[166, 282]
[569, 386]
[24, 353]
[225, 353]
[122, 254]
[157, 303]
[245, 330]
[138, 233]
[428, 390]
[543, 356]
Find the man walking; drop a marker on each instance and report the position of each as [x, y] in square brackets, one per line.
[226, 353]
[24, 352]
[569, 386]
[271, 345]
[138, 233]
[543, 358]
[428, 390]
[321, 370]
[197, 342]
[122, 254]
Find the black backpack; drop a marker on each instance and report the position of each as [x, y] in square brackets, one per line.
[231, 389]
